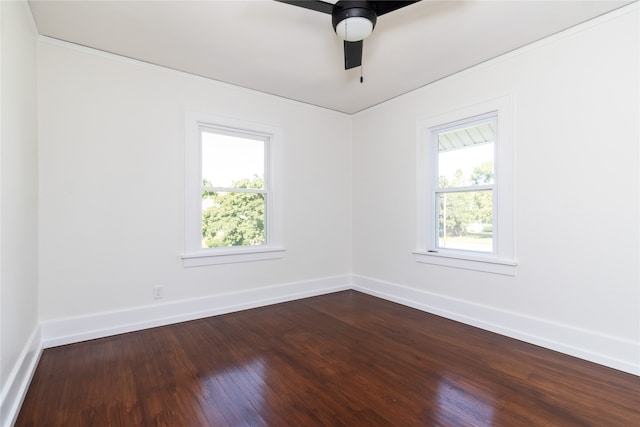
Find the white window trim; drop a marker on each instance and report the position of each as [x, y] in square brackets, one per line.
[502, 260]
[194, 255]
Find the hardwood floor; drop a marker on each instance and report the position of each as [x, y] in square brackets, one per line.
[344, 359]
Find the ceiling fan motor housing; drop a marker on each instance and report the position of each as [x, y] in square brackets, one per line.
[353, 9]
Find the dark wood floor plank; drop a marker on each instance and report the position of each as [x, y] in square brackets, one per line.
[344, 359]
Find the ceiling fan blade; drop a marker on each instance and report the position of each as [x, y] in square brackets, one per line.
[382, 7]
[352, 54]
[317, 5]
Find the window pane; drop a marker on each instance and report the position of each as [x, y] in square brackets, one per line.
[232, 161]
[465, 156]
[465, 221]
[232, 219]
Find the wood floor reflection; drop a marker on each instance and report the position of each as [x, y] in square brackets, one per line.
[344, 359]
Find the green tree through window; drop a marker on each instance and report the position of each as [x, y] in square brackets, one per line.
[233, 218]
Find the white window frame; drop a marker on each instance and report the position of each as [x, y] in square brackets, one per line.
[502, 260]
[194, 255]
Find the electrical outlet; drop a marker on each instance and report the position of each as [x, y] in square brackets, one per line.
[158, 291]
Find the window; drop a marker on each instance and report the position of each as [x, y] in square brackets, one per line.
[231, 212]
[465, 189]
[464, 184]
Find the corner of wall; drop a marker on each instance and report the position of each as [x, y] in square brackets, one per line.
[15, 390]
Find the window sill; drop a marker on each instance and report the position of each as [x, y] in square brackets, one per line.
[468, 262]
[231, 255]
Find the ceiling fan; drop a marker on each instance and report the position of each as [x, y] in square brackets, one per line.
[352, 20]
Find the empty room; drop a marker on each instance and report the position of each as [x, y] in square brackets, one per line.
[319, 213]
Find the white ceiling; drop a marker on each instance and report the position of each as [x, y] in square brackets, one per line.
[293, 52]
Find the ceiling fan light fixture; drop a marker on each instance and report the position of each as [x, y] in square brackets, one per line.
[353, 21]
[354, 29]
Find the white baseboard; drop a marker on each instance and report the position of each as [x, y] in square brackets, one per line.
[16, 386]
[82, 328]
[611, 351]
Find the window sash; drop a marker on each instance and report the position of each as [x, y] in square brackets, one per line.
[436, 189]
[441, 216]
[240, 134]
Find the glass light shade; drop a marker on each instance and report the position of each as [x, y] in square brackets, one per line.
[354, 29]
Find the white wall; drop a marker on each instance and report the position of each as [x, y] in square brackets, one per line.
[112, 186]
[18, 204]
[577, 196]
